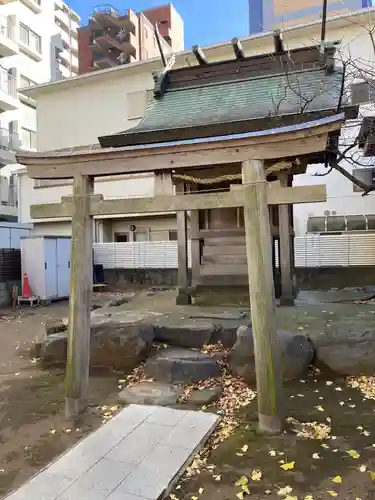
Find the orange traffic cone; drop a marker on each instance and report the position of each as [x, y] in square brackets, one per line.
[26, 291]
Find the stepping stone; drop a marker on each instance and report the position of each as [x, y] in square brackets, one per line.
[204, 396]
[181, 366]
[150, 393]
[186, 333]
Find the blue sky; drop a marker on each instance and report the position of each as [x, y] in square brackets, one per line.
[206, 21]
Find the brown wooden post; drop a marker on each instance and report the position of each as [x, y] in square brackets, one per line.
[78, 358]
[285, 251]
[262, 303]
[195, 242]
[183, 297]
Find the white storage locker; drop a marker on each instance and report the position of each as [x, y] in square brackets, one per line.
[46, 260]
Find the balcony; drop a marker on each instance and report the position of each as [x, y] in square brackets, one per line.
[34, 5]
[8, 91]
[8, 199]
[9, 144]
[8, 45]
[106, 16]
[124, 42]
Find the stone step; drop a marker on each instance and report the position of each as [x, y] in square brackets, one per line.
[224, 249]
[181, 366]
[224, 270]
[225, 241]
[233, 259]
[223, 280]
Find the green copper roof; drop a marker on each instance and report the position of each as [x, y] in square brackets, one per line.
[235, 106]
[244, 100]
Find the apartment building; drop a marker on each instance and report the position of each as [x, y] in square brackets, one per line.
[38, 43]
[124, 93]
[266, 14]
[114, 37]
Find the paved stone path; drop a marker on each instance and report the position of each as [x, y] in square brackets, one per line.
[137, 455]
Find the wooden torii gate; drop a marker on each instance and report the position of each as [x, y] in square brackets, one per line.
[253, 150]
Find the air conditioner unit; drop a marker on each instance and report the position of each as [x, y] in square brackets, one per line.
[363, 92]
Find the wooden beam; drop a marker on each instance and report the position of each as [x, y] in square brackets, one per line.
[78, 357]
[276, 195]
[199, 55]
[278, 42]
[262, 303]
[183, 297]
[99, 162]
[285, 251]
[238, 49]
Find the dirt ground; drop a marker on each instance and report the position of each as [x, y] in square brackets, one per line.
[340, 465]
[33, 430]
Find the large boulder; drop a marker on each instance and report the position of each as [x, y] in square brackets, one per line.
[345, 352]
[297, 352]
[119, 341]
[181, 366]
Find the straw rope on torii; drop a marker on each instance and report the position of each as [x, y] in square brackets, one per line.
[276, 167]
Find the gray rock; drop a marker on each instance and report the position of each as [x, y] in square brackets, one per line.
[346, 352]
[187, 333]
[54, 348]
[297, 352]
[205, 396]
[150, 393]
[181, 366]
[118, 341]
[56, 325]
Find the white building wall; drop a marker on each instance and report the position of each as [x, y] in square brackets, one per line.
[102, 103]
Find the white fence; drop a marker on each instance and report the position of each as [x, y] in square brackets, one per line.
[310, 251]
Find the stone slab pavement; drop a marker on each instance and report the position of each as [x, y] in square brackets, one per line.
[138, 455]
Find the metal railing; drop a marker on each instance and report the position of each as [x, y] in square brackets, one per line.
[6, 31]
[348, 250]
[9, 141]
[8, 83]
[109, 10]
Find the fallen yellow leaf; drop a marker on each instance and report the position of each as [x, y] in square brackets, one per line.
[316, 456]
[244, 448]
[308, 497]
[337, 479]
[290, 498]
[242, 481]
[256, 475]
[319, 408]
[288, 466]
[363, 468]
[194, 498]
[332, 493]
[284, 491]
[240, 495]
[201, 490]
[353, 454]
[325, 446]
[372, 475]
[272, 453]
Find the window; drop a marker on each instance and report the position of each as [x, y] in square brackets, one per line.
[140, 236]
[30, 38]
[173, 235]
[28, 138]
[121, 237]
[26, 82]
